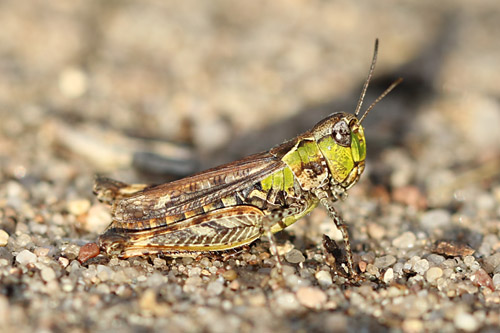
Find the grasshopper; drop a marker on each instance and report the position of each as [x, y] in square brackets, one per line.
[234, 204]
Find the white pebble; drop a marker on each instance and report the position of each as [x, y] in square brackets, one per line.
[78, 207]
[466, 322]
[388, 276]
[47, 274]
[436, 218]
[433, 274]
[26, 257]
[215, 288]
[496, 280]
[287, 301]
[385, 261]
[4, 237]
[324, 278]
[405, 241]
[421, 266]
[311, 297]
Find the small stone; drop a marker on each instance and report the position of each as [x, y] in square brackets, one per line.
[372, 270]
[324, 278]
[234, 285]
[98, 218]
[230, 275]
[215, 288]
[376, 231]
[410, 195]
[26, 257]
[433, 274]
[147, 302]
[436, 218]
[42, 251]
[64, 262]
[23, 240]
[88, 251]
[6, 254]
[47, 274]
[388, 276]
[421, 266]
[469, 261]
[159, 262]
[405, 241]
[71, 251]
[104, 272]
[384, 262]
[287, 301]
[362, 266]
[78, 207]
[435, 258]
[294, 256]
[311, 297]
[482, 279]
[4, 237]
[496, 280]
[413, 325]
[466, 322]
[492, 263]
[73, 82]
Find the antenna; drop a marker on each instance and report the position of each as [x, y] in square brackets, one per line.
[388, 90]
[367, 82]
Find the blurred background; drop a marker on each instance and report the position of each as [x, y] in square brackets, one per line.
[105, 86]
[150, 91]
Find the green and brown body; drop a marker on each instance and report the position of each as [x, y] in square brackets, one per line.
[234, 204]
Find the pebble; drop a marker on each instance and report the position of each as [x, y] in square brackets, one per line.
[64, 262]
[6, 254]
[26, 257]
[78, 207]
[496, 281]
[405, 241]
[413, 325]
[98, 218]
[287, 301]
[436, 218]
[4, 237]
[492, 263]
[465, 321]
[47, 274]
[104, 272]
[482, 279]
[215, 288]
[388, 276]
[324, 278]
[311, 297]
[294, 256]
[433, 274]
[230, 275]
[385, 261]
[421, 266]
[23, 240]
[88, 251]
[372, 270]
[376, 231]
[435, 258]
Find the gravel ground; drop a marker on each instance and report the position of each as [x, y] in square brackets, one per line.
[152, 90]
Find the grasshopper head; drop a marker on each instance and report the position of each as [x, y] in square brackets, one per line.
[341, 140]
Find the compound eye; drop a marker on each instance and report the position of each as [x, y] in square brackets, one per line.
[342, 134]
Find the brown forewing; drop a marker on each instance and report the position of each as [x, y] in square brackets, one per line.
[196, 191]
